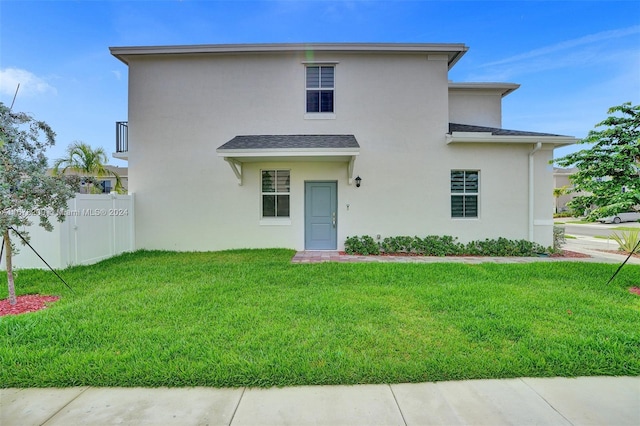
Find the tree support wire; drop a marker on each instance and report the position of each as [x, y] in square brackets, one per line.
[625, 261]
[38, 254]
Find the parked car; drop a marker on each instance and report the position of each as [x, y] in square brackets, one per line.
[621, 217]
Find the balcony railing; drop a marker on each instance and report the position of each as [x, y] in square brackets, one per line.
[122, 136]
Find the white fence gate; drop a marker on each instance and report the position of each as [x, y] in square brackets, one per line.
[96, 227]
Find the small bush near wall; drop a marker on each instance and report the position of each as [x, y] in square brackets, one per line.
[434, 245]
[431, 245]
[504, 247]
[558, 238]
[364, 245]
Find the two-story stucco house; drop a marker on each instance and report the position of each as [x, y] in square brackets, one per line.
[303, 145]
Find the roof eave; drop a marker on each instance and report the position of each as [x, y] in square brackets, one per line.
[287, 152]
[503, 88]
[469, 137]
[454, 50]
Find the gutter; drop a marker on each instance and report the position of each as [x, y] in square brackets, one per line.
[537, 148]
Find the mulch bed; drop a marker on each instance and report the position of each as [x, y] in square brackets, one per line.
[27, 303]
[571, 254]
[622, 253]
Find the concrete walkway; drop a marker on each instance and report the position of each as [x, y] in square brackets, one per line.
[526, 401]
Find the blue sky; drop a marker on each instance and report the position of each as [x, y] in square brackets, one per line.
[574, 59]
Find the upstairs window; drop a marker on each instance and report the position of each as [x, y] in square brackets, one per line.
[464, 193]
[276, 186]
[320, 88]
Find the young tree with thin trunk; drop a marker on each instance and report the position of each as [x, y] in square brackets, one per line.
[26, 191]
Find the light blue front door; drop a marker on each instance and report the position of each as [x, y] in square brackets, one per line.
[320, 215]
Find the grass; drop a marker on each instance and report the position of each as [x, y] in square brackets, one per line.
[251, 318]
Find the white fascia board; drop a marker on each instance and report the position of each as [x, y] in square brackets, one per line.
[482, 137]
[291, 47]
[503, 88]
[453, 50]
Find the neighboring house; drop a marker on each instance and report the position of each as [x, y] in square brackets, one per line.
[303, 145]
[106, 184]
[561, 179]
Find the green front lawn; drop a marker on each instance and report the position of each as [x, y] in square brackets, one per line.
[251, 318]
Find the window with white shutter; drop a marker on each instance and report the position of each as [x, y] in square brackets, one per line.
[465, 188]
[320, 88]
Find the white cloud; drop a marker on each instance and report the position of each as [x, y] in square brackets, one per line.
[569, 44]
[584, 51]
[117, 74]
[30, 84]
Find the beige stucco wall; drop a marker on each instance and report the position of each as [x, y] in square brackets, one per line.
[182, 108]
[476, 107]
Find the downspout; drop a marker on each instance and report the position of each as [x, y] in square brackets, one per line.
[531, 188]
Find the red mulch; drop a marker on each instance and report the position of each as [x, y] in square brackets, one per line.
[28, 303]
[572, 254]
[635, 290]
[622, 253]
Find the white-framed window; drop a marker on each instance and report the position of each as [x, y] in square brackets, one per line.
[276, 190]
[465, 190]
[320, 88]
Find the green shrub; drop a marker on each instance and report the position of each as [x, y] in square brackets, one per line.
[431, 245]
[503, 247]
[434, 245]
[563, 214]
[364, 245]
[628, 240]
[558, 237]
[392, 245]
[446, 245]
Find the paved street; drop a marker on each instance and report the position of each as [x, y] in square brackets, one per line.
[593, 229]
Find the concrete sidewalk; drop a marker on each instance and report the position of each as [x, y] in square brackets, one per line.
[602, 250]
[540, 401]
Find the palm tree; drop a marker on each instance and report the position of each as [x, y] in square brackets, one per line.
[87, 162]
[559, 192]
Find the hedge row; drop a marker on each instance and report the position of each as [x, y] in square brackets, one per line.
[434, 245]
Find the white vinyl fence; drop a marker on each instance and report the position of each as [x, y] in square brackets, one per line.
[96, 227]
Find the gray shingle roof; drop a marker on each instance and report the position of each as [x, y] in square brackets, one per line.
[291, 142]
[455, 127]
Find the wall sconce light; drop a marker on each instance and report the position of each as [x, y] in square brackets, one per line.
[358, 180]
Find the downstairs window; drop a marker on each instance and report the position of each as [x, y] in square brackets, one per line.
[464, 193]
[275, 193]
